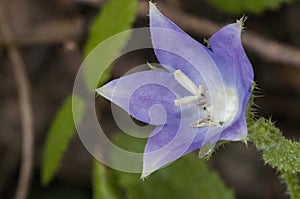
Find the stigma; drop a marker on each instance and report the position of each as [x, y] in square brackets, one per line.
[224, 113]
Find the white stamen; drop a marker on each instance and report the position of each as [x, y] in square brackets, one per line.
[202, 122]
[207, 121]
[221, 113]
[186, 82]
[186, 100]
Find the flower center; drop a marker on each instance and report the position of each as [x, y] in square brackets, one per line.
[221, 113]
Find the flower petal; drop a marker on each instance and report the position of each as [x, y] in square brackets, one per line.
[238, 129]
[165, 145]
[170, 142]
[148, 96]
[176, 50]
[230, 57]
[236, 70]
[235, 132]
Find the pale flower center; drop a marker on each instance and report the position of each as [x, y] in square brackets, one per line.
[219, 114]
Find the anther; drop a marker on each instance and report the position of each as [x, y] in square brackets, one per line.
[201, 104]
[202, 122]
[188, 84]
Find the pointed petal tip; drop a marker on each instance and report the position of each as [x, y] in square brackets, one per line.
[152, 6]
[98, 90]
[154, 11]
[103, 91]
[241, 22]
[144, 176]
[146, 172]
[107, 91]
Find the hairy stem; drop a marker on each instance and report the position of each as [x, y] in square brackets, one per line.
[292, 183]
[278, 152]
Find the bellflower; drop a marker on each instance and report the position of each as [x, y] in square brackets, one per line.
[198, 99]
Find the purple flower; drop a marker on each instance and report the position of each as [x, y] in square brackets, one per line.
[200, 97]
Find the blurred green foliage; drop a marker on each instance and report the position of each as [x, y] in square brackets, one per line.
[115, 17]
[247, 6]
[61, 131]
[188, 177]
[103, 183]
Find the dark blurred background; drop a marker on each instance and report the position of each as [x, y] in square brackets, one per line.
[51, 35]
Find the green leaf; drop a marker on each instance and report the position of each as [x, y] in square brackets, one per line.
[247, 6]
[188, 177]
[58, 137]
[115, 17]
[103, 186]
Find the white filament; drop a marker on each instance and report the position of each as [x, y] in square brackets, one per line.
[186, 82]
[223, 113]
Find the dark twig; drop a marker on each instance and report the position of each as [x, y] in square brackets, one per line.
[265, 48]
[49, 32]
[22, 82]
